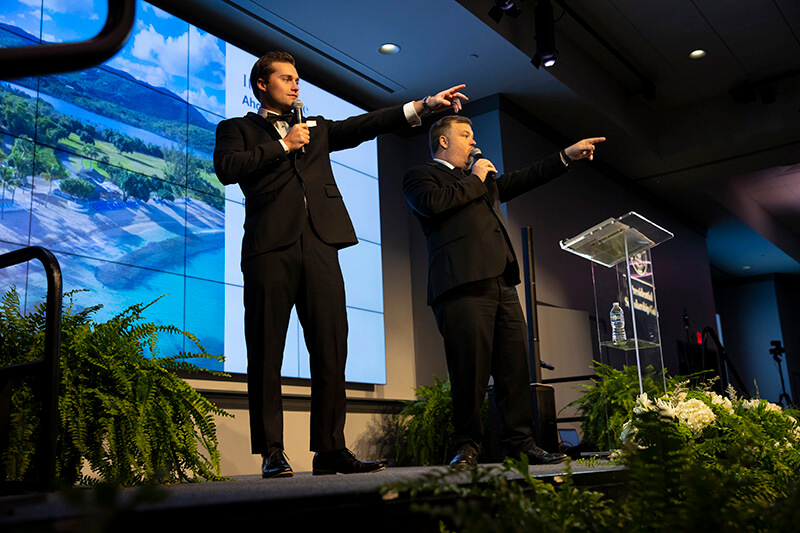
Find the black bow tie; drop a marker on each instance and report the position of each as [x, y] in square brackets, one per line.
[286, 117]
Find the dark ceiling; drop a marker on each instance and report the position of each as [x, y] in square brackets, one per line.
[719, 142]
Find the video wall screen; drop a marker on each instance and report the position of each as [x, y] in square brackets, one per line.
[111, 169]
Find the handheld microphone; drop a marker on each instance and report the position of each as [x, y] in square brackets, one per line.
[297, 109]
[477, 154]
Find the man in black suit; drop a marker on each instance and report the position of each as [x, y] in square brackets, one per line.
[295, 221]
[472, 273]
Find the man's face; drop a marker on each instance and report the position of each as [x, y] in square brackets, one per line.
[281, 89]
[460, 143]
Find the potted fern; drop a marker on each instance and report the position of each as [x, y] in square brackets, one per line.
[123, 412]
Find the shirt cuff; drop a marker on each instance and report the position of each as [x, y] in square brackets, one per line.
[411, 115]
[285, 148]
[564, 158]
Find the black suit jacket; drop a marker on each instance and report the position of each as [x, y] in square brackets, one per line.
[466, 231]
[274, 183]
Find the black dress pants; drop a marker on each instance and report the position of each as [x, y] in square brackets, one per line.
[305, 274]
[485, 333]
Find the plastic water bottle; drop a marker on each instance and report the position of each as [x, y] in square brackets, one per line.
[617, 323]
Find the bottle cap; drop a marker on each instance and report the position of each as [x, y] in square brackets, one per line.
[615, 303]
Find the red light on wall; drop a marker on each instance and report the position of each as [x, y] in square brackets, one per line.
[699, 338]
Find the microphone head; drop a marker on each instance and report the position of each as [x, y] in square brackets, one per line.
[476, 153]
[297, 104]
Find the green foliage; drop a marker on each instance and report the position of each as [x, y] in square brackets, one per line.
[76, 187]
[608, 403]
[425, 427]
[697, 461]
[122, 409]
[728, 466]
[505, 499]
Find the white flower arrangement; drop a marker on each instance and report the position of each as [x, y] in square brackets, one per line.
[695, 414]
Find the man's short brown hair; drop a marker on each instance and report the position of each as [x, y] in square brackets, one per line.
[263, 68]
[442, 127]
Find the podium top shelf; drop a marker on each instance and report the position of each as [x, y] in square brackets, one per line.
[612, 240]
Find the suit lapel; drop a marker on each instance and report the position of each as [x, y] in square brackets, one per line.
[264, 123]
[453, 173]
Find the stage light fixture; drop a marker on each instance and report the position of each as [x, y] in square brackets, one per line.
[546, 53]
[504, 7]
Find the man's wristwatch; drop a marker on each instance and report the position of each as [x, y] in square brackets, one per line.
[425, 106]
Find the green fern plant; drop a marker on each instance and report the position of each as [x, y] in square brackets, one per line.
[608, 403]
[122, 409]
[424, 428]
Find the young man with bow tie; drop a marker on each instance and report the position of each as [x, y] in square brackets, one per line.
[295, 221]
[472, 271]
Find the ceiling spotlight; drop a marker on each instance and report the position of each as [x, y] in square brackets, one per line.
[546, 53]
[504, 7]
[697, 54]
[388, 49]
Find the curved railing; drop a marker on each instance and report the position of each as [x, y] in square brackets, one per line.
[46, 369]
[43, 59]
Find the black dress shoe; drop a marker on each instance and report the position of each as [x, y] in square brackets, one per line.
[537, 456]
[466, 457]
[274, 464]
[343, 462]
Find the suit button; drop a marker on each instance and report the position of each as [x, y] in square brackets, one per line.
[497, 230]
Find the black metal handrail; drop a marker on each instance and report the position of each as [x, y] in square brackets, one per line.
[46, 368]
[724, 363]
[43, 59]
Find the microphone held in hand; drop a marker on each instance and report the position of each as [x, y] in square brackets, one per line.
[477, 154]
[297, 109]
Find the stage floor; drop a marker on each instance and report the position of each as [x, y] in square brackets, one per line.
[249, 499]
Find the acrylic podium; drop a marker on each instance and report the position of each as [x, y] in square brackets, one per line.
[622, 272]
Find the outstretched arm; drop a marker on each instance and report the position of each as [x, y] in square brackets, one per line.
[583, 148]
[449, 98]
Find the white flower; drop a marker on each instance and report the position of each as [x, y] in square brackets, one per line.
[695, 414]
[665, 409]
[751, 404]
[716, 399]
[755, 403]
[628, 432]
[643, 404]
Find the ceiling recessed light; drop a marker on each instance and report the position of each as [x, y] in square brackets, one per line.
[697, 54]
[389, 49]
